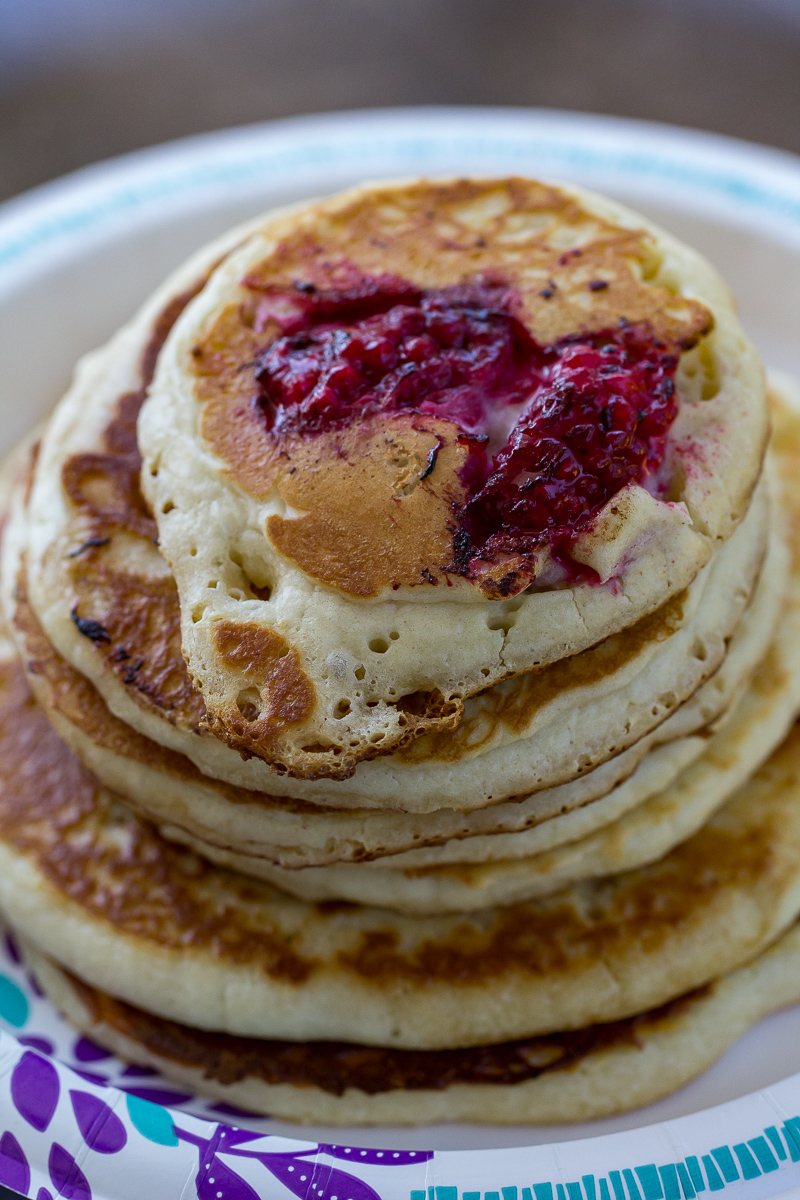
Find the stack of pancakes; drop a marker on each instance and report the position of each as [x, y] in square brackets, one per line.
[391, 733]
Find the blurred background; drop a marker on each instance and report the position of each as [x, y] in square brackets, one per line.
[82, 80]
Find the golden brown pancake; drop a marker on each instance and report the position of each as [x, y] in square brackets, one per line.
[588, 1073]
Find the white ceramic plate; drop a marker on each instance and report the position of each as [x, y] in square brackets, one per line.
[78, 255]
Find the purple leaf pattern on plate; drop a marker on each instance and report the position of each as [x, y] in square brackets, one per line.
[35, 1089]
[134, 1072]
[380, 1158]
[66, 1176]
[308, 1178]
[323, 1182]
[100, 1127]
[43, 1194]
[218, 1182]
[86, 1051]
[14, 1170]
[43, 1045]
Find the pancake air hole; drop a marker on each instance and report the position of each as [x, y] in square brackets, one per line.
[342, 709]
[261, 590]
[248, 703]
[379, 645]
[504, 622]
[360, 672]
[699, 650]
[394, 635]
[167, 507]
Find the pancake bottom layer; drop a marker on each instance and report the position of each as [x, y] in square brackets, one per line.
[576, 1076]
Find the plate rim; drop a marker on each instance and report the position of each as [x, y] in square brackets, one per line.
[738, 182]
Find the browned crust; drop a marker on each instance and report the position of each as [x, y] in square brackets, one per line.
[370, 518]
[121, 872]
[283, 695]
[135, 620]
[54, 811]
[336, 1066]
[582, 277]
[71, 695]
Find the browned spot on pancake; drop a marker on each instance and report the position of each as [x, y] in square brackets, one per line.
[141, 618]
[72, 696]
[369, 519]
[104, 485]
[514, 702]
[224, 366]
[30, 468]
[433, 234]
[275, 691]
[438, 234]
[139, 613]
[112, 864]
[336, 1066]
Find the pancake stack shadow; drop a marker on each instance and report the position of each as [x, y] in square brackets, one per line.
[330, 787]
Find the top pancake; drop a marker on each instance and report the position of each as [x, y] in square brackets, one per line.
[327, 609]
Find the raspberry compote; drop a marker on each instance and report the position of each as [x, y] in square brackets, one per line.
[578, 419]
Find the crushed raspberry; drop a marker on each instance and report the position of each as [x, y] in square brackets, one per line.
[385, 346]
[598, 423]
[593, 412]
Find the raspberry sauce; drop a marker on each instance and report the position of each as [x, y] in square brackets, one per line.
[553, 431]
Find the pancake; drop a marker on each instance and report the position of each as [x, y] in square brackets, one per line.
[392, 564]
[99, 891]
[578, 1076]
[108, 604]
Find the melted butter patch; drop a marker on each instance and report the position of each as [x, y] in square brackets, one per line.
[378, 503]
[276, 693]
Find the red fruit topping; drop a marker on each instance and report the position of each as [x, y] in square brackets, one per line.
[595, 410]
[598, 423]
[385, 346]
